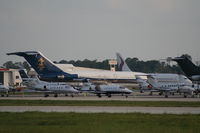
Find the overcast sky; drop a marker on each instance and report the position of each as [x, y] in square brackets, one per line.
[97, 29]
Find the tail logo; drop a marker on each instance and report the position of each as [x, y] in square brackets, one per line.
[41, 64]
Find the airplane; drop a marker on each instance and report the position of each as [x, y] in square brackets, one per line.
[47, 87]
[49, 71]
[181, 85]
[108, 89]
[4, 89]
[165, 80]
[190, 69]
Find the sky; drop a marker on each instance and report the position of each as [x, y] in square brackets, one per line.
[97, 29]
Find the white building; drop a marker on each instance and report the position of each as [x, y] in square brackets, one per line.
[10, 77]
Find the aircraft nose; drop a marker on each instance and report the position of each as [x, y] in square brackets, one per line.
[74, 90]
[128, 90]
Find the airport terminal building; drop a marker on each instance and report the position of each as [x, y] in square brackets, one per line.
[10, 77]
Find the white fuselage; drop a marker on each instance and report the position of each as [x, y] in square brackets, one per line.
[103, 89]
[170, 82]
[50, 87]
[100, 74]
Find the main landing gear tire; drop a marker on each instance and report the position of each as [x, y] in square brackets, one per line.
[55, 95]
[99, 95]
[46, 95]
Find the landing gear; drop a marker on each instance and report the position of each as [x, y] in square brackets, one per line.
[160, 93]
[151, 93]
[66, 95]
[109, 95]
[166, 94]
[46, 95]
[72, 95]
[55, 95]
[2, 95]
[99, 95]
[185, 95]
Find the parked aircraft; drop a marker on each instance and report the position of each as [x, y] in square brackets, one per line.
[49, 71]
[47, 87]
[160, 82]
[179, 84]
[108, 89]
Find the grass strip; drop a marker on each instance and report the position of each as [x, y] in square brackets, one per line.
[34, 122]
[98, 103]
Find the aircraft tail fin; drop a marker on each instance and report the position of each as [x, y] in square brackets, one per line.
[45, 68]
[152, 81]
[122, 64]
[187, 66]
[142, 82]
[38, 61]
[23, 74]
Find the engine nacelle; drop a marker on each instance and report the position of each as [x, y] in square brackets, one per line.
[58, 77]
[195, 77]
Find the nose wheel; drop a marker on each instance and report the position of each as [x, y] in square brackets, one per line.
[99, 95]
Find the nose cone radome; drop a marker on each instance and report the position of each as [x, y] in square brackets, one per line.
[128, 90]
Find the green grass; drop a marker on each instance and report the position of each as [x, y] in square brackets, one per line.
[36, 122]
[97, 103]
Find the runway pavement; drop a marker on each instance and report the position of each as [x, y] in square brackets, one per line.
[99, 109]
[103, 98]
[94, 109]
